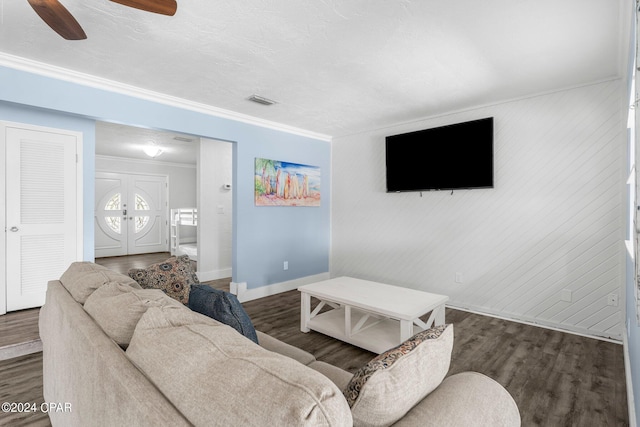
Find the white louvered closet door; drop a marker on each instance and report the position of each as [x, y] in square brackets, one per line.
[41, 214]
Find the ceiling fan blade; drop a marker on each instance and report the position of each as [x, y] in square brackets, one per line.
[163, 7]
[55, 15]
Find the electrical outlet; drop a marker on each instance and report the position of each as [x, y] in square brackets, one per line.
[459, 277]
[285, 265]
[612, 300]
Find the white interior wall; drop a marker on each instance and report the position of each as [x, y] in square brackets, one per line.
[182, 181]
[214, 209]
[552, 226]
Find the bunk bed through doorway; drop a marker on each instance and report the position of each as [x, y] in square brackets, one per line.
[183, 217]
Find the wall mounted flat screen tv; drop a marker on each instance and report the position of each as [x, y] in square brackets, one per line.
[456, 156]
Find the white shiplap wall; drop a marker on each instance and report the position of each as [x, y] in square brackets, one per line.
[553, 222]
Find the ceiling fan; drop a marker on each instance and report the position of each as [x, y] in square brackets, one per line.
[55, 15]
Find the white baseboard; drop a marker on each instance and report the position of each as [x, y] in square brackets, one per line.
[583, 332]
[244, 294]
[205, 276]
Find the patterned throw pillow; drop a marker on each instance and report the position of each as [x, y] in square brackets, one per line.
[386, 388]
[173, 276]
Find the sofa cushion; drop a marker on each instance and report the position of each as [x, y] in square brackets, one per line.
[199, 366]
[117, 308]
[173, 276]
[386, 388]
[82, 278]
[223, 307]
[339, 376]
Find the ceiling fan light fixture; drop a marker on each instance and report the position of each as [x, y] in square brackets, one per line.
[56, 16]
[261, 100]
[162, 7]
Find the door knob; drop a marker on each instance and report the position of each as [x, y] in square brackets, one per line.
[14, 229]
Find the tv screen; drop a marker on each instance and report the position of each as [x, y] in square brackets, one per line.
[457, 156]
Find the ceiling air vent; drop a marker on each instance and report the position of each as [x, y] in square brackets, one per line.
[182, 138]
[261, 100]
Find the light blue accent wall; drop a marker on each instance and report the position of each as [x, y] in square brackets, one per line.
[276, 234]
[263, 237]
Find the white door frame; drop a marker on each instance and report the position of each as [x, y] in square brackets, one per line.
[4, 125]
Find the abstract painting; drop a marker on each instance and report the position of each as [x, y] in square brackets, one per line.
[279, 183]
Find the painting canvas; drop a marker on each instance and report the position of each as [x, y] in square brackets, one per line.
[279, 183]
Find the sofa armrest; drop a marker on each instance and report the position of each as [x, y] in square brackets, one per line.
[467, 399]
[85, 368]
[273, 344]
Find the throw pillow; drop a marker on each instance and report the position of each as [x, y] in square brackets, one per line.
[223, 307]
[173, 276]
[387, 387]
[117, 308]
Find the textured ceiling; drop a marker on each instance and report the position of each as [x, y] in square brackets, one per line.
[335, 67]
[116, 140]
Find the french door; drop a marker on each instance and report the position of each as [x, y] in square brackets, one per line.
[130, 214]
[41, 181]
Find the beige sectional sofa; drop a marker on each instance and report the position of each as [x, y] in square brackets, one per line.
[119, 355]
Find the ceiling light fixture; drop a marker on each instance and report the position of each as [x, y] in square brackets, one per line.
[261, 100]
[152, 150]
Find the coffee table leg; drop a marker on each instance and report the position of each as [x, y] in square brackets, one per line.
[347, 321]
[406, 330]
[305, 311]
[439, 320]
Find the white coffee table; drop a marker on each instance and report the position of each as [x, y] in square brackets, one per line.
[370, 315]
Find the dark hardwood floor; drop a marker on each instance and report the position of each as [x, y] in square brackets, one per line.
[557, 379]
[122, 264]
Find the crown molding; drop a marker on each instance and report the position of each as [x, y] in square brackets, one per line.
[418, 120]
[65, 74]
